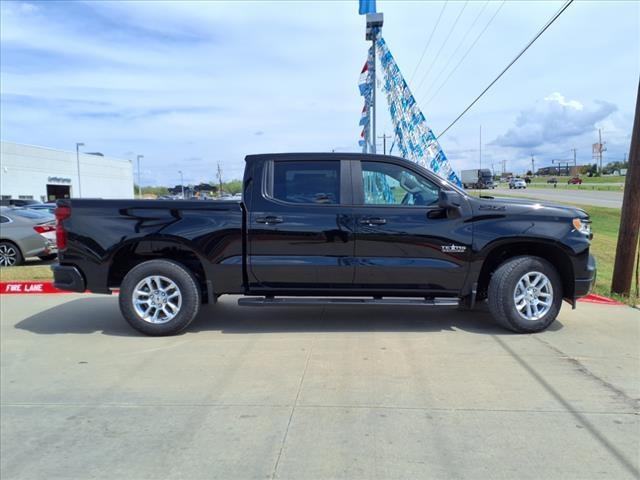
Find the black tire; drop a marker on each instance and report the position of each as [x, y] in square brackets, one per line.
[46, 258]
[502, 286]
[10, 254]
[180, 276]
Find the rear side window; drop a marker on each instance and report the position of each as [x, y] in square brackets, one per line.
[4, 219]
[307, 182]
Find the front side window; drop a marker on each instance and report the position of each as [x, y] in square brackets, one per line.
[4, 219]
[389, 184]
[307, 181]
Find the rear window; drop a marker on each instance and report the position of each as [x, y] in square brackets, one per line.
[31, 214]
[307, 182]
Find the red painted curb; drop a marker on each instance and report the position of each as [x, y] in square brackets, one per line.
[13, 288]
[593, 298]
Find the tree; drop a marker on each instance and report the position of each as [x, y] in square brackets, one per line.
[593, 170]
[233, 187]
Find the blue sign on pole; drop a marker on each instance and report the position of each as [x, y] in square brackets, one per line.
[367, 6]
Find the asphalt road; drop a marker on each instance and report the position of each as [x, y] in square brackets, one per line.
[312, 393]
[582, 197]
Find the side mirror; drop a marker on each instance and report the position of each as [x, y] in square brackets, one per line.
[449, 199]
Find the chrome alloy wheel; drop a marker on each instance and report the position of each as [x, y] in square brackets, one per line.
[157, 299]
[8, 255]
[533, 296]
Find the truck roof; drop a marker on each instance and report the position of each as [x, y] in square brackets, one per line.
[321, 156]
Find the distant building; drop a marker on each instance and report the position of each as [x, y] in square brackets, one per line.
[566, 170]
[46, 174]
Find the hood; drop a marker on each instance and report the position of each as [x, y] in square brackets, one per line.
[521, 206]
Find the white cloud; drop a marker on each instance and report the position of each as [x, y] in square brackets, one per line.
[553, 122]
[559, 98]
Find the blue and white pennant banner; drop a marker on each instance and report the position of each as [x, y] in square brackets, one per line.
[413, 137]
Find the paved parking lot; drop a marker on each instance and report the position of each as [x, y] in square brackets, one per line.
[306, 393]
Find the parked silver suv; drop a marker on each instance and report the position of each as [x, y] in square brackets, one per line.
[26, 233]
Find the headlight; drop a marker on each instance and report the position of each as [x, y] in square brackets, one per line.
[582, 226]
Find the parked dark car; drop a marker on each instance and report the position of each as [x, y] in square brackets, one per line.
[552, 180]
[328, 229]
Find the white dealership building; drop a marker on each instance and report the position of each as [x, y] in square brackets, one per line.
[46, 174]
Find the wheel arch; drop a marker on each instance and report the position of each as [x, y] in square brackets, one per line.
[549, 251]
[133, 253]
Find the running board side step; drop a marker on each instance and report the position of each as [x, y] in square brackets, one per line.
[306, 301]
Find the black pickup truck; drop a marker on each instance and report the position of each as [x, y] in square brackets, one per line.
[328, 228]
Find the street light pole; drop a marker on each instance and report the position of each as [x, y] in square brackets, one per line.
[78, 145]
[139, 181]
[181, 183]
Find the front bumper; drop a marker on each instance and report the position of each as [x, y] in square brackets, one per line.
[68, 277]
[583, 285]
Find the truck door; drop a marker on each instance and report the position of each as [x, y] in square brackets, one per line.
[404, 241]
[301, 227]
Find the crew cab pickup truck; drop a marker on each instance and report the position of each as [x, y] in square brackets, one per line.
[327, 228]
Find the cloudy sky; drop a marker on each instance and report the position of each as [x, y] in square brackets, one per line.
[189, 85]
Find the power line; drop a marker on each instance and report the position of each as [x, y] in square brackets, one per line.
[546, 26]
[444, 5]
[465, 53]
[455, 23]
[460, 44]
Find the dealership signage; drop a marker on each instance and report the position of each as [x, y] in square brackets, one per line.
[59, 180]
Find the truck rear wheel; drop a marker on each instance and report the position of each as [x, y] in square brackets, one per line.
[159, 297]
[525, 294]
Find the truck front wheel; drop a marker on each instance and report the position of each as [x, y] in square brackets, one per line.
[159, 297]
[525, 294]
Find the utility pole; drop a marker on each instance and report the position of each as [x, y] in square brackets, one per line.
[601, 148]
[181, 183]
[630, 216]
[78, 145]
[139, 181]
[480, 147]
[533, 165]
[384, 137]
[220, 179]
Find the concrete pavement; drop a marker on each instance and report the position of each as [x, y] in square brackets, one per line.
[311, 393]
[582, 197]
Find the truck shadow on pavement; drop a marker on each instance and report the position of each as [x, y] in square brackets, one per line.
[101, 314]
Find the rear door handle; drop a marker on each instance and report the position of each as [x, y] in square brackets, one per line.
[373, 221]
[269, 220]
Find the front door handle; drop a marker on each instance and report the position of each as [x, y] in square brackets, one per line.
[269, 219]
[373, 221]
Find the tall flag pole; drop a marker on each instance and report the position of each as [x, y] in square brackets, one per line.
[412, 136]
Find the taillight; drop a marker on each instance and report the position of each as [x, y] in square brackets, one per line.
[61, 213]
[44, 228]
